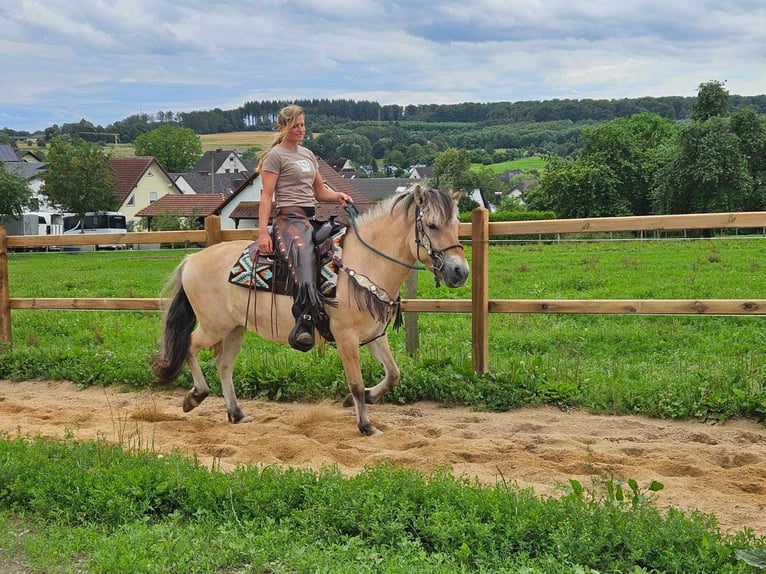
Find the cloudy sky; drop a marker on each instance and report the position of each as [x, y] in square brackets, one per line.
[104, 60]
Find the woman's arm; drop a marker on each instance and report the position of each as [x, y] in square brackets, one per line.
[264, 211]
[324, 193]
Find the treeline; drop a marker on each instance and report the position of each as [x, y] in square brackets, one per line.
[324, 114]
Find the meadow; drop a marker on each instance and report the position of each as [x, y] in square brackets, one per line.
[72, 507]
[663, 366]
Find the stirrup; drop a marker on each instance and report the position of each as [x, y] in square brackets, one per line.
[302, 335]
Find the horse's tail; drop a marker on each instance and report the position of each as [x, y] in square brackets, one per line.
[178, 324]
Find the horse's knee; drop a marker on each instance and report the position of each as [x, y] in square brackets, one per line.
[193, 399]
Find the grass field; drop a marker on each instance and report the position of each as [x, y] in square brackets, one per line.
[673, 366]
[68, 507]
[525, 164]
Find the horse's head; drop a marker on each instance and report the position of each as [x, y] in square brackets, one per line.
[436, 235]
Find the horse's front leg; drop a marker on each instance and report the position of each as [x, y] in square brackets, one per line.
[224, 362]
[349, 356]
[381, 351]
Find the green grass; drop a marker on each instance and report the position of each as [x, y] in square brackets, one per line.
[674, 366]
[525, 164]
[91, 507]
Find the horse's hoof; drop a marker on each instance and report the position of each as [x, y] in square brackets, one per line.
[192, 400]
[369, 430]
[239, 418]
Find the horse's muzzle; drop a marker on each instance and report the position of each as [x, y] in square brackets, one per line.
[454, 272]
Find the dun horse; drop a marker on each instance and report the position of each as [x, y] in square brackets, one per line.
[383, 245]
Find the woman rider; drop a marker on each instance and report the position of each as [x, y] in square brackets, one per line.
[292, 183]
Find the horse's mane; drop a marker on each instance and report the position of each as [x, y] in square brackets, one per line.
[440, 205]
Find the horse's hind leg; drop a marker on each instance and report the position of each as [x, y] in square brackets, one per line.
[381, 350]
[200, 390]
[224, 362]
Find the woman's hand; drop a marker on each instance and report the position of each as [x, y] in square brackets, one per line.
[344, 198]
[264, 243]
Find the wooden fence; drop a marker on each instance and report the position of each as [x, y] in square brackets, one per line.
[480, 230]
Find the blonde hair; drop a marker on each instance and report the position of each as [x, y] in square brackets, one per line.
[285, 122]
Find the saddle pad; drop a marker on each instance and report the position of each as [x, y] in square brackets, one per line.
[265, 276]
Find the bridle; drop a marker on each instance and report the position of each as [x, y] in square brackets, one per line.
[422, 241]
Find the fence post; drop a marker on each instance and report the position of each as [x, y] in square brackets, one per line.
[480, 289]
[213, 230]
[411, 333]
[6, 340]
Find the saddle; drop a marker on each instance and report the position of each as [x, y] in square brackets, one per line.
[269, 271]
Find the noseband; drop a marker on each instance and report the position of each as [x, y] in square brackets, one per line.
[422, 240]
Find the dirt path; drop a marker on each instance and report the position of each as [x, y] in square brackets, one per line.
[717, 469]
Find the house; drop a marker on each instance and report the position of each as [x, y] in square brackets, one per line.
[421, 172]
[220, 161]
[379, 188]
[240, 210]
[142, 181]
[8, 154]
[32, 173]
[198, 206]
[197, 182]
[28, 155]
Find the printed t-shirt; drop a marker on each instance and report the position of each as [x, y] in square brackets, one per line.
[296, 171]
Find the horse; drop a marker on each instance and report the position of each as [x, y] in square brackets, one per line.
[415, 229]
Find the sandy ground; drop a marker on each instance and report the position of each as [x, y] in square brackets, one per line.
[716, 469]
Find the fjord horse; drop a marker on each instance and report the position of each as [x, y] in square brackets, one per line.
[416, 227]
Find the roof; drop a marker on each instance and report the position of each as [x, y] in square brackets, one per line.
[324, 210]
[246, 210]
[213, 160]
[200, 205]
[129, 171]
[225, 183]
[7, 153]
[378, 188]
[26, 169]
[422, 171]
[24, 154]
[334, 181]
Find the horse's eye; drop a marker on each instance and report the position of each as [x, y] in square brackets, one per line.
[432, 226]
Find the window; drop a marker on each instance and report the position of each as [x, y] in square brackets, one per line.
[131, 201]
[152, 196]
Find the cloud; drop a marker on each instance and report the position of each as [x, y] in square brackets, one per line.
[104, 60]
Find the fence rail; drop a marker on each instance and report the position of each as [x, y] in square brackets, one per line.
[479, 306]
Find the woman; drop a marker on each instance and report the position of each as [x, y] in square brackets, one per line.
[292, 183]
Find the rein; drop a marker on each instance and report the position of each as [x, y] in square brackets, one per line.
[352, 212]
[421, 240]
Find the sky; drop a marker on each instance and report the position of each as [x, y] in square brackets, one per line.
[104, 60]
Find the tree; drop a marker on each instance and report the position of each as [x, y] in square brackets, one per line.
[704, 172]
[14, 194]
[452, 169]
[79, 178]
[489, 184]
[712, 101]
[628, 147]
[176, 149]
[578, 189]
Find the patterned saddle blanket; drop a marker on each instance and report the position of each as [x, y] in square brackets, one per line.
[270, 273]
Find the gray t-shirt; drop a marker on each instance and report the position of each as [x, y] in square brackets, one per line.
[295, 171]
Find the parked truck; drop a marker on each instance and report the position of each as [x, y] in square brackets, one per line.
[33, 223]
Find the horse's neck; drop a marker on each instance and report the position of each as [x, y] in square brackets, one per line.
[389, 236]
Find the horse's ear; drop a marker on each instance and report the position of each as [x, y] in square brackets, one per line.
[420, 196]
[455, 195]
